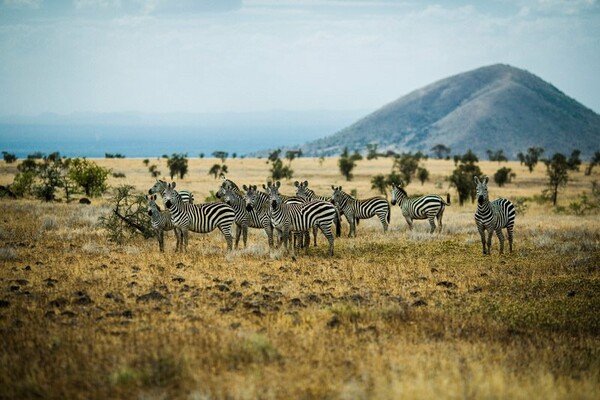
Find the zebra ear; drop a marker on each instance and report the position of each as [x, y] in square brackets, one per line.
[485, 180]
[297, 184]
[305, 183]
[173, 185]
[476, 179]
[332, 187]
[278, 184]
[265, 187]
[245, 188]
[154, 197]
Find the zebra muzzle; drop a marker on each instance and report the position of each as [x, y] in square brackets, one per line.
[168, 203]
[249, 207]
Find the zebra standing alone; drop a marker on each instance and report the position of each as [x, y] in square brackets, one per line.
[160, 187]
[161, 222]
[202, 218]
[424, 207]
[293, 218]
[493, 216]
[355, 209]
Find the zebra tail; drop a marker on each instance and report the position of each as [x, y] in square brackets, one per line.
[338, 226]
[357, 220]
[389, 214]
[448, 199]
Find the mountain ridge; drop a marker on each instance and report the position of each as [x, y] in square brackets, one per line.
[493, 107]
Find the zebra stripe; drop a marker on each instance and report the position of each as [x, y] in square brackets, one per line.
[424, 207]
[290, 218]
[161, 222]
[493, 216]
[160, 187]
[202, 218]
[303, 191]
[245, 218]
[355, 209]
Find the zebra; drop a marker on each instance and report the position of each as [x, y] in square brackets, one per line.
[161, 222]
[296, 217]
[160, 186]
[241, 215]
[493, 216]
[424, 207]
[304, 192]
[246, 218]
[202, 218]
[355, 209]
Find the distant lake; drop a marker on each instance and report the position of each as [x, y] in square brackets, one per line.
[94, 141]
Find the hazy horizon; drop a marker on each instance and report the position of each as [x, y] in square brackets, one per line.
[204, 56]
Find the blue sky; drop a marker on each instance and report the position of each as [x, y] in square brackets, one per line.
[66, 56]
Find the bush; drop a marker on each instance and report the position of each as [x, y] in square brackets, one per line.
[91, 177]
[128, 218]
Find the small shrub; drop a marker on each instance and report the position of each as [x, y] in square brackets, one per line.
[8, 254]
[118, 175]
[49, 224]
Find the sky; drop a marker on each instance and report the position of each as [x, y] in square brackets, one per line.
[220, 56]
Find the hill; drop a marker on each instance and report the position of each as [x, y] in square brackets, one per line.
[494, 107]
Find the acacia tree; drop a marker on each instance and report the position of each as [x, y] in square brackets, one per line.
[503, 176]
[462, 176]
[347, 162]
[178, 165]
[90, 176]
[531, 158]
[440, 151]
[593, 162]
[557, 169]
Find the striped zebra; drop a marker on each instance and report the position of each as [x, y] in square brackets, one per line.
[304, 192]
[202, 218]
[493, 216]
[424, 207]
[245, 218]
[160, 187]
[241, 215]
[355, 209]
[161, 222]
[292, 218]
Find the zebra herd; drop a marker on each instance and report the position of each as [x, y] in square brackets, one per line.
[293, 217]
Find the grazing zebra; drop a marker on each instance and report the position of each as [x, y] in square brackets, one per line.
[245, 218]
[493, 216]
[304, 192]
[424, 207]
[202, 218]
[292, 218]
[160, 187]
[161, 222]
[355, 209]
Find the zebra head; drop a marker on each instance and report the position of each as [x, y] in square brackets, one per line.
[302, 189]
[250, 197]
[482, 191]
[170, 196]
[158, 187]
[227, 184]
[228, 195]
[273, 191]
[153, 208]
[337, 195]
[398, 193]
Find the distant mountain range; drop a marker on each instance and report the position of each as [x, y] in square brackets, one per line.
[494, 107]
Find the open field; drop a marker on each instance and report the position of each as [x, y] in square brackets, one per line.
[390, 316]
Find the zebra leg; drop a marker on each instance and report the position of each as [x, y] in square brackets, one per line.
[161, 240]
[509, 230]
[382, 218]
[315, 231]
[352, 222]
[326, 229]
[238, 232]
[501, 239]
[482, 234]
[226, 230]
[489, 241]
[184, 235]
[245, 235]
[432, 223]
[439, 218]
[177, 239]
[409, 221]
[269, 231]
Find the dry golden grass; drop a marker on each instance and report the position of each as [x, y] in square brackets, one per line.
[396, 315]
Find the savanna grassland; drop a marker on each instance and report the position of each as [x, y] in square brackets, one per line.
[390, 316]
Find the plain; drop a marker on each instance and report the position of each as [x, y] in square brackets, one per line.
[397, 315]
